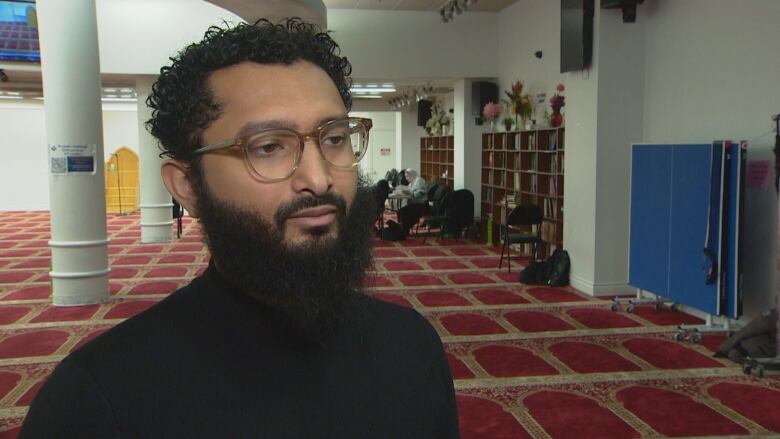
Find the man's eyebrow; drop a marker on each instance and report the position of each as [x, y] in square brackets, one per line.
[253, 127]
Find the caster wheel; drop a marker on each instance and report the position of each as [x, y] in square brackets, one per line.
[630, 308]
[674, 307]
[613, 307]
[680, 336]
[696, 338]
[747, 368]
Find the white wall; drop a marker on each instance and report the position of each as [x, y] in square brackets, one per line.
[525, 27]
[382, 135]
[120, 127]
[138, 36]
[407, 44]
[712, 72]
[25, 173]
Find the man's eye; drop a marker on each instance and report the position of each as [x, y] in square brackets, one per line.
[266, 149]
[334, 140]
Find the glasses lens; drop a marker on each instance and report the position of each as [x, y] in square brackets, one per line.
[343, 143]
[273, 154]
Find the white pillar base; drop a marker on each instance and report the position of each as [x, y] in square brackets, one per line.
[79, 275]
[156, 223]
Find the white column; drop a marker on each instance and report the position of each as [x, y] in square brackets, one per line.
[408, 138]
[71, 85]
[601, 125]
[468, 144]
[156, 205]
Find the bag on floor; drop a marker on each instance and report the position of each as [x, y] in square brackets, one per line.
[535, 273]
[393, 232]
[559, 266]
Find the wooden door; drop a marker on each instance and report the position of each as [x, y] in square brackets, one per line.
[122, 188]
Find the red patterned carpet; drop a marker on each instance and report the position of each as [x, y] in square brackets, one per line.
[528, 362]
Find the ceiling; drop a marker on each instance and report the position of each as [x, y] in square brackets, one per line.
[27, 79]
[413, 5]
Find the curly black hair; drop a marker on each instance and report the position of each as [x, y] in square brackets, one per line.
[182, 102]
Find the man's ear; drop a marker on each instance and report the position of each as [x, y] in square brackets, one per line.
[175, 176]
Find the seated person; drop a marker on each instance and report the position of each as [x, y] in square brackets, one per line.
[410, 214]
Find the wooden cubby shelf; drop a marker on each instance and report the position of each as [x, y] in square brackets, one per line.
[437, 154]
[520, 167]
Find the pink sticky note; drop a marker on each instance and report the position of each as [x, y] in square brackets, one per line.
[758, 173]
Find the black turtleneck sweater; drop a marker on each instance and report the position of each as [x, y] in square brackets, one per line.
[210, 361]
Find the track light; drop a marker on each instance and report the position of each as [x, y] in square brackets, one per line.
[410, 96]
[454, 7]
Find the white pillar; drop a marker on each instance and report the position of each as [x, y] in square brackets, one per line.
[468, 144]
[601, 125]
[408, 138]
[71, 83]
[156, 205]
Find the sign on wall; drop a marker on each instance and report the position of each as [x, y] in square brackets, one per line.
[72, 159]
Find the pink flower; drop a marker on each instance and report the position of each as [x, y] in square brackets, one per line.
[491, 110]
[560, 88]
[517, 88]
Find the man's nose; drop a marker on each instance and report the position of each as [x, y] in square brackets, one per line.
[313, 173]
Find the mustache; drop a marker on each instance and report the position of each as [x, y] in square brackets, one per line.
[288, 209]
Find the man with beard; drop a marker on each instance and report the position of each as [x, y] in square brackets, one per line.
[276, 338]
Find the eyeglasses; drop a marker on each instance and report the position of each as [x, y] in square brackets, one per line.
[274, 154]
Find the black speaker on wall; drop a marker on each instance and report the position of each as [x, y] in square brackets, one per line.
[423, 112]
[482, 92]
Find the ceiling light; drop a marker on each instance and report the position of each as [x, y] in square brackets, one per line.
[367, 89]
[454, 7]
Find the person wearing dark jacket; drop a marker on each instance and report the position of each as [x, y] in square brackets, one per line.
[277, 338]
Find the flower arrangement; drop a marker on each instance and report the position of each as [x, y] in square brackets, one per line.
[439, 120]
[557, 101]
[519, 103]
[491, 111]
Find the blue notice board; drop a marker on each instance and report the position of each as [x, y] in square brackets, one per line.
[697, 168]
[651, 190]
[733, 232]
[670, 212]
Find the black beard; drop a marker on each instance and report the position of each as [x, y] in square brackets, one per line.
[311, 286]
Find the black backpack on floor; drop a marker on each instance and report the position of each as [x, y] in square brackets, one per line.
[393, 232]
[553, 272]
